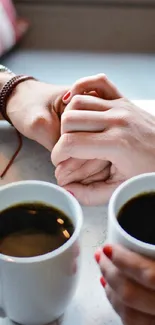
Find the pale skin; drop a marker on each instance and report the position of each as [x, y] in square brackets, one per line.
[130, 285]
[108, 137]
[35, 110]
[98, 130]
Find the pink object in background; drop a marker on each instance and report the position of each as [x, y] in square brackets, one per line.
[12, 28]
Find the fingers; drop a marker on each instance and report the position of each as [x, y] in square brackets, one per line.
[78, 170]
[85, 145]
[128, 315]
[96, 193]
[88, 103]
[135, 266]
[93, 93]
[129, 292]
[98, 83]
[103, 175]
[73, 121]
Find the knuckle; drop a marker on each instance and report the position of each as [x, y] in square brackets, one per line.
[116, 135]
[123, 119]
[102, 77]
[120, 137]
[127, 294]
[149, 277]
[76, 101]
[116, 304]
[123, 312]
[68, 141]
[109, 294]
[126, 316]
[66, 118]
[80, 84]
[120, 308]
[119, 117]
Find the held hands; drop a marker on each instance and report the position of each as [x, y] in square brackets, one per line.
[33, 109]
[129, 282]
[113, 131]
[85, 171]
[103, 141]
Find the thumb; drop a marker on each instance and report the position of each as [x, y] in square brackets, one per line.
[96, 193]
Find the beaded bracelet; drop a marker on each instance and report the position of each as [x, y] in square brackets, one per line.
[6, 92]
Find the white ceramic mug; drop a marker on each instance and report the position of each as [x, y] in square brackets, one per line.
[37, 290]
[126, 191]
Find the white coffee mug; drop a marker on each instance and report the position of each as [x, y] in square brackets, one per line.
[116, 235]
[37, 290]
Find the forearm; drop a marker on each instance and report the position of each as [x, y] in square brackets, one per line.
[35, 108]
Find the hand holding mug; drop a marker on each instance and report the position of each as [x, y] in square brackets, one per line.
[129, 281]
[128, 271]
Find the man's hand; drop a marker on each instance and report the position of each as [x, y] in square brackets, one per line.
[34, 108]
[116, 131]
[129, 281]
[82, 171]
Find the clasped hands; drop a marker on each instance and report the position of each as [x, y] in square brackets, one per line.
[97, 137]
[105, 139]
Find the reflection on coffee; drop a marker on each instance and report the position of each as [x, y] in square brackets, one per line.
[137, 217]
[33, 229]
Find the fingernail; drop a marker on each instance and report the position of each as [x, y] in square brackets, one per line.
[103, 282]
[107, 250]
[97, 257]
[71, 193]
[66, 96]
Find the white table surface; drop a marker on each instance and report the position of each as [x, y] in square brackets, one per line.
[89, 306]
[134, 74]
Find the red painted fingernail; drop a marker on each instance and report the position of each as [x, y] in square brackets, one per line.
[71, 193]
[67, 95]
[103, 282]
[97, 257]
[107, 250]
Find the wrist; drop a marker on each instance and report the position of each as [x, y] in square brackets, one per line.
[4, 78]
[19, 92]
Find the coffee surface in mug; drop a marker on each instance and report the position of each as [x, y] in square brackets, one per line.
[137, 217]
[33, 229]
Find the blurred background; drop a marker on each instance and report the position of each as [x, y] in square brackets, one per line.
[69, 39]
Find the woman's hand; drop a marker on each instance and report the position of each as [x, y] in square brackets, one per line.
[33, 109]
[110, 130]
[129, 281]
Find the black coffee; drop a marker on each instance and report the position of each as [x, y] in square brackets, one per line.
[137, 217]
[33, 229]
